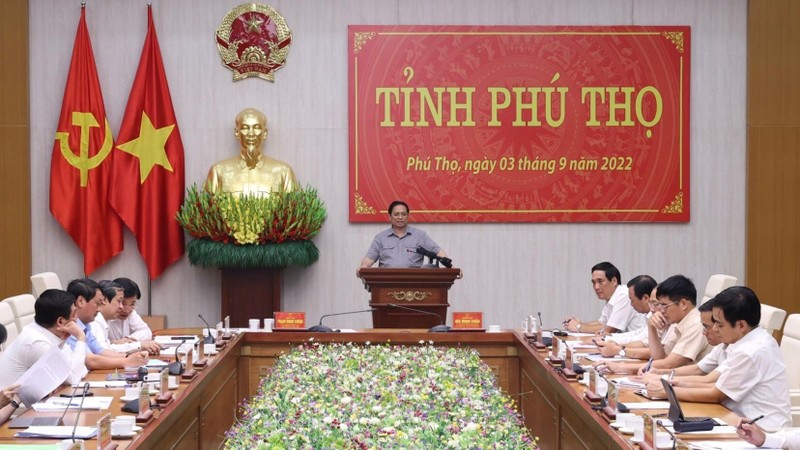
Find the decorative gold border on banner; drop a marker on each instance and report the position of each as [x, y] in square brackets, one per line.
[361, 206]
[676, 37]
[409, 296]
[676, 207]
[361, 39]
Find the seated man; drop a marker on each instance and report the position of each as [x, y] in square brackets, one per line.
[707, 370]
[112, 292]
[754, 380]
[632, 344]
[128, 326]
[685, 344]
[53, 322]
[617, 314]
[88, 299]
[752, 433]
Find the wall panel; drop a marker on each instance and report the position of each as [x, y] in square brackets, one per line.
[15, 202]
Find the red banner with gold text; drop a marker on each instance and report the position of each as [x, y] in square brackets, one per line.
[520, 124]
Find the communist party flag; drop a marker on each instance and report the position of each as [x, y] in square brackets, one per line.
[79, 173]
[148, 163]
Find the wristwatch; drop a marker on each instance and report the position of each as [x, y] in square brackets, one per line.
[622, 351]
[579, 327]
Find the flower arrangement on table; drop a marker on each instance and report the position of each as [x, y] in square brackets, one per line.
[348, 396]
[252, 231]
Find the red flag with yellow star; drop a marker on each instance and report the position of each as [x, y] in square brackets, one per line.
[79, 173]
[148, 163]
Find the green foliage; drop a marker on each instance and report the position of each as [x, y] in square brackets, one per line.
[252, 231]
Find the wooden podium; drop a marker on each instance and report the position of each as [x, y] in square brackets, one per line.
[424, 289]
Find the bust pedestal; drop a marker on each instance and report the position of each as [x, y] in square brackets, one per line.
[250, 294]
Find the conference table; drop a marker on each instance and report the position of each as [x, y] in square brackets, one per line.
[552, 407]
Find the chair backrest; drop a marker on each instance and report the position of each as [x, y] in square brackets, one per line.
[23, 307]
[716, 284]
[9, 321]
[771, 318]
[44, 281]
[790, 348]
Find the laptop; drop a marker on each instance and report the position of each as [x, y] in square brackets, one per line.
[33, 421]
[675, 411]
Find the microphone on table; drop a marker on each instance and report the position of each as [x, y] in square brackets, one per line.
[447, 262]
[208, 339]
[3, 334]
[541, 324]
[80, 408]
[441, 328]
[674, 439]
[324, 329]
[60, 420]
[176, 368]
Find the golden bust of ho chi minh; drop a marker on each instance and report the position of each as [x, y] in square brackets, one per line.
[251, 172]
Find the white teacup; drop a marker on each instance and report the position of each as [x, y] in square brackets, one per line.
[638, 432]
[132, 392]
[622, 418]
[254, 323]
[121, 427]
[494, 328]
[663, 439]
[69, 444]
[634, 422]
[268, 324]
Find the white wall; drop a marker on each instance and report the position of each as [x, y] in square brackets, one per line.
[509, 269]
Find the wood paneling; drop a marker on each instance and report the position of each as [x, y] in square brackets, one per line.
[773, 66]
[773, 144]
[15, 204]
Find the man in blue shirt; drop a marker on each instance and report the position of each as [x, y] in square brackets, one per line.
[88, 298]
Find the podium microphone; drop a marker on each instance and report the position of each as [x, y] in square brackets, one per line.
[441, 328]
[208, 339]
[447, 262]
[80, 408]
[324, 329]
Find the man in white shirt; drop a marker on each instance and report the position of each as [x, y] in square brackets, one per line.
[753, 381]
[54, 321]
[113, 293]
[617, 314]
[128, 326]
[632, 344]
[752, 433]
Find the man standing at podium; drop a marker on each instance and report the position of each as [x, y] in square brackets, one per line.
[396, 247]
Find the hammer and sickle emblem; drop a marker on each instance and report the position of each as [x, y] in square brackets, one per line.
[82, 161]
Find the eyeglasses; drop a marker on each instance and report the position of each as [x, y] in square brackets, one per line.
[128, 305]
[664, 306]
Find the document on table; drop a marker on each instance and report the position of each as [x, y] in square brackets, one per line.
[60, 432]
[627, 382]
[59, 403]
[647, 405]
[597, 357]
[722, 445]
[573, 334]
[156, 363]
[43, 377]
[104, 384]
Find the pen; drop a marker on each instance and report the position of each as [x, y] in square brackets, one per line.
[750, 422]
[671, 374]
[648, 365]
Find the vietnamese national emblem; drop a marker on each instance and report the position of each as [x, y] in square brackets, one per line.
[253, 40]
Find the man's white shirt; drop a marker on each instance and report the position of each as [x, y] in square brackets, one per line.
[31, 344]
[619, 313]
[133, 326]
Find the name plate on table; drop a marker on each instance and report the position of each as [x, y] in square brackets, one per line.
[290, 321]
[104, 433]
[568, 372]
[555, 359]
[164, 395]
[202, 361]
[612, 400]
[467, 321]
[145, 413]
[594, 381]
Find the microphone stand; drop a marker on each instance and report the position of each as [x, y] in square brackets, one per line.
[674, 439]
[323, 329]
[441, 328]
[80, 408]
[208, 339]
[176, 368]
